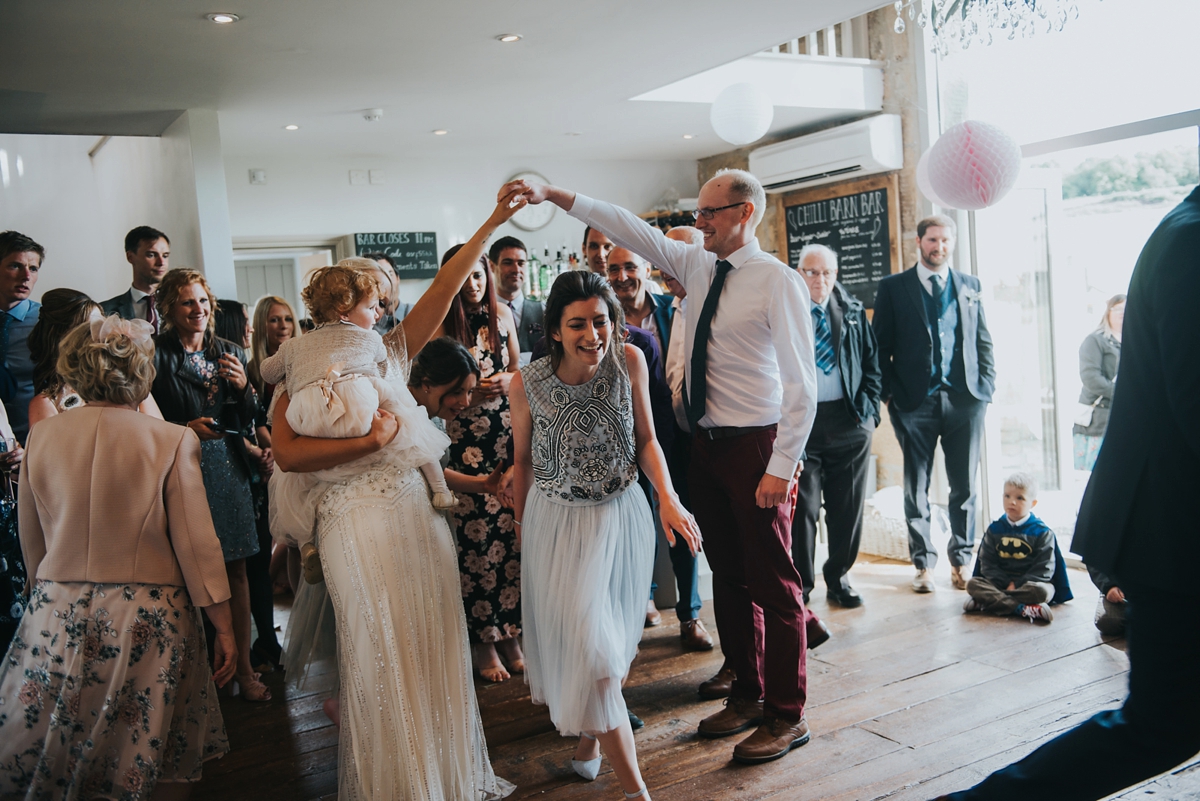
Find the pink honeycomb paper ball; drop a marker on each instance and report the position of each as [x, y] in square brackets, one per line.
[923, 181]
[973, 165]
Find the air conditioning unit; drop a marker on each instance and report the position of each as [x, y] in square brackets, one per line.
[861, 148]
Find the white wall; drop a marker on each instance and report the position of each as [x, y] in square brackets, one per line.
[313, 198]
[80, 208]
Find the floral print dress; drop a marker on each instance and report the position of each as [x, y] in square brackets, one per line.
[104, 692]
[488, 557]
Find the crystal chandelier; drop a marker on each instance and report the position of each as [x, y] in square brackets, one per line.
[963, 22]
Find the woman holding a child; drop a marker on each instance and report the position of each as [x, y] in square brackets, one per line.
[410, 721]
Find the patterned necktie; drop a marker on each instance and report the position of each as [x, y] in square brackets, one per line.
[699, 384]
[152, 312]
[824, 337]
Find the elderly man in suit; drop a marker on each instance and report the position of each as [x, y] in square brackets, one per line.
[839, 448]
[935, 353]
[1138, 523]
[629, 276]
[148, 252]
[509, 259]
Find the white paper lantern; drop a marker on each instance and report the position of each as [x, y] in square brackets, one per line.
[923, 181]
[742, 113]
[973, 165]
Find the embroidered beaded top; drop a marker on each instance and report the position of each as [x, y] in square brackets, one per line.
[583, 441]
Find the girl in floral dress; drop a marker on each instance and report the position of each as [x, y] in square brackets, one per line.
[489, 559]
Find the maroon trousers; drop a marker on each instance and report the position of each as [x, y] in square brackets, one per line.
[757, 596]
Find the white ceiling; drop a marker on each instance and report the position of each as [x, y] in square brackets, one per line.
[129, 66]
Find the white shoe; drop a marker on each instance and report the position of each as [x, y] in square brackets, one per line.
[444, 500]
[589, 769]
[924, 581]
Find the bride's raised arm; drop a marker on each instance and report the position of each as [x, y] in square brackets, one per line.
[296, 454]
[430, 310]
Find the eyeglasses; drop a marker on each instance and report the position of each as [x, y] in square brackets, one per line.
[708, 214]
[815, 273]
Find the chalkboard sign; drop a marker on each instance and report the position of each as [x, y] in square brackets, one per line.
[858, 220]
[414, 253]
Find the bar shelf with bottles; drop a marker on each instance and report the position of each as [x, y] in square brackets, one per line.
[541, 271]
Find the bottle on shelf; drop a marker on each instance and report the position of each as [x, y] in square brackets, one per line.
[546, 271]
[534, 276]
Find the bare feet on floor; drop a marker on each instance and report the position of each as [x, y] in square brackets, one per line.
[510, 651]
[488, 663]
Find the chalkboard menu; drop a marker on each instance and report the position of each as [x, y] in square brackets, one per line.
[858, 220]
[414, 253]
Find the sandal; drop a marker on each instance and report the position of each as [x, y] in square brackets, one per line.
[251, 689]
[310, 563]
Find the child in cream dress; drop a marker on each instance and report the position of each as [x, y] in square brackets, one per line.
[333, 382]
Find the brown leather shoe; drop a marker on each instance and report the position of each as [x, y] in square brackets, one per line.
[694, 635]
[653, 616]
[771, 740]
[817, 632]
[719, 686]
[959, 576]
[737, 716]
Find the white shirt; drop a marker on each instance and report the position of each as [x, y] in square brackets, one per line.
[675, 362]
[140, 302]
[761, 366]
[1018, 523]
[924, 274]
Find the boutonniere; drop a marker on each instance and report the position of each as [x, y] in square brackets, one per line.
[972, 295]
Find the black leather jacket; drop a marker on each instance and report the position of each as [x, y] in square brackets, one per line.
[181, 396]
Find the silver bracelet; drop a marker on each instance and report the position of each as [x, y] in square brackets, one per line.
[517, 522]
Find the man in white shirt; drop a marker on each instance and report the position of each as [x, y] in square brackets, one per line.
[750, 380]
[509, 260]
[148, 252]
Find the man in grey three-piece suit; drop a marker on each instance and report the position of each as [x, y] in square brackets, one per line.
[148, 252]
[935, 353]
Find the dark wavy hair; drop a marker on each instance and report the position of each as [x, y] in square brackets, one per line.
[62, 310]
[573, 286]
[231, 321]
[456, 324]
[442, 361]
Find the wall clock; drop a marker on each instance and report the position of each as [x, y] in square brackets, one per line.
[533, 218]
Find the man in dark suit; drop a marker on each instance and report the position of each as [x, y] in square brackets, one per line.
[935, 354]
[509, 259]
[148, 252]
[839, 448]
[629, 276]
[1138, 524]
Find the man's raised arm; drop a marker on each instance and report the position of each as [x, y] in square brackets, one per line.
[622, 226]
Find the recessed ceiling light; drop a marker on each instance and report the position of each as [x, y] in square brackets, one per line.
[508, 38]
[440, 132]
[689, 136]
[574, 133]
[223, 19]
[291, 127]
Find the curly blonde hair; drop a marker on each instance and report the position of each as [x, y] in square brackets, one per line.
[117, 370]
[334, 291]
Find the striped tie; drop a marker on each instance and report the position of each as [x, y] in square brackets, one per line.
[824, 340]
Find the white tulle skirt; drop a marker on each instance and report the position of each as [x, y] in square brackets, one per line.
[410, 720]
[293, 497]
[585, 579]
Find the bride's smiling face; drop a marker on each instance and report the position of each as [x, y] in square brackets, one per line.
[585, 331]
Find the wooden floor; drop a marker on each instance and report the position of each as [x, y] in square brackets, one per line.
[911, 698]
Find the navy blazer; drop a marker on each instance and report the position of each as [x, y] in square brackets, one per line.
[121, 305]
[906, 340]
[1137, 521]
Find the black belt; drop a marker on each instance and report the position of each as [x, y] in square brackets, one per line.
[730, 431]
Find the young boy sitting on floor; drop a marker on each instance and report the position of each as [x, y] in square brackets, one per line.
[1016, 559]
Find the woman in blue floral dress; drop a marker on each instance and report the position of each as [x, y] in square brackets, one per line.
[489, 559]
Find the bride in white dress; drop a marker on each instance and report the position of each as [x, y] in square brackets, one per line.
[409, 719]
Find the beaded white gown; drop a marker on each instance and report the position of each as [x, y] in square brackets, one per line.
[410, 720]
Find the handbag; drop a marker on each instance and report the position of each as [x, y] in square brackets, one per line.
[1083, 413]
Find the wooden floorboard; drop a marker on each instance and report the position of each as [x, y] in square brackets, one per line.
[910, 699]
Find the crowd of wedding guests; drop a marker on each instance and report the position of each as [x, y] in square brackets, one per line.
[147, 447]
